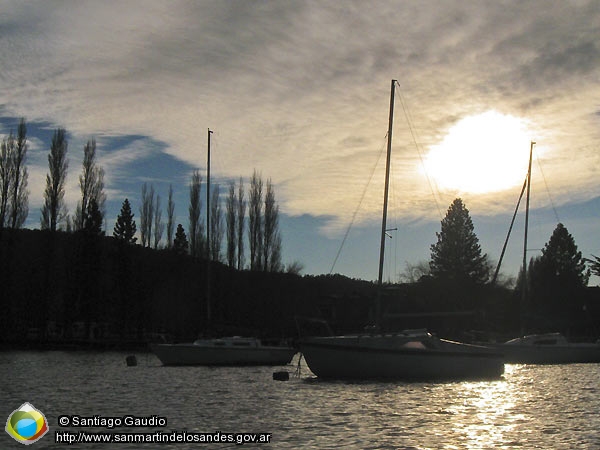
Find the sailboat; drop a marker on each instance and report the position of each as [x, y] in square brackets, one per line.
[406, 355]
[225, 351]
[547, 348]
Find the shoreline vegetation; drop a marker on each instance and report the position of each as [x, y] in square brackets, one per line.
[55, 296]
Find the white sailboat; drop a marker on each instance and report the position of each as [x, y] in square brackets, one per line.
[226, 351]
[548, 348]
[411, 354]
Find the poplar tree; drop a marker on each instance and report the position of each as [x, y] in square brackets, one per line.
[457, 255]
[231, 228]
[216, 225]
[146, 215]
[19, 206]
[54, 210]
[271, 238]
[195, 224]
[91, 183]
[241, 222]
[170, 217]
[255, 221]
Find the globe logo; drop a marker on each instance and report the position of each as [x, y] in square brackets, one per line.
[27, 424]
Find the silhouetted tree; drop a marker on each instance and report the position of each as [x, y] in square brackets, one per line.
[216, 225]
[457, 254]
[255, 221]
[146, 215]
[230, 221]
[91, 183]
[125, 227]
[170, 217]
[6, 160]
[558, 275]
[92, 223]
[19, 206]
[241, 222]
[159, 227]
[54, 210]
[180, 243]
[565, 261]
[271, 237]
[196, 228]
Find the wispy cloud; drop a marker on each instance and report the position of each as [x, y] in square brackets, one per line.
[299, 90]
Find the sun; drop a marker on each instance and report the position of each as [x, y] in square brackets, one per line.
[481, 154]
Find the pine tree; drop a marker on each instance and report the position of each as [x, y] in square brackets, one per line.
[180, 243]
[457, 254]
[563, 260]
[556, 277]
[92, 223]
[125, 227]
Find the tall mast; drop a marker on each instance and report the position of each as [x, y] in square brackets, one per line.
[385, 205]
[524, 280]
[208, 231]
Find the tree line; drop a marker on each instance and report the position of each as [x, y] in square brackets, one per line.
[258, 216]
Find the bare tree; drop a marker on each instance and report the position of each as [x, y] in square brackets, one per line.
[170, 218]
[146, 215]
[54, 210]
[255, 221]
[159, 227]
[216, 225]
[271, 239]
[6, 160]
[196, 229]
[19, 207]
[241, 219]
[231, 225]
[91, 183]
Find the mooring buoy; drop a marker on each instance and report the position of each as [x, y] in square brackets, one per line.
[281, 375]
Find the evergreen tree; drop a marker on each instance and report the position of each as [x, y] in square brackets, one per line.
[125, 227]
[180, 243]
[92, 223]
[556, 277]
[457, 254]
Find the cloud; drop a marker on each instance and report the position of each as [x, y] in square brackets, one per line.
[299, 90]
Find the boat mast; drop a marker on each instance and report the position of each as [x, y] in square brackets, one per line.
[385, 205]
[524, 278]
[208, 231]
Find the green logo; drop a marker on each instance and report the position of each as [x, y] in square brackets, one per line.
[26, 424]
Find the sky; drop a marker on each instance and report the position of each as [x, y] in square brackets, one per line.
[300, 92]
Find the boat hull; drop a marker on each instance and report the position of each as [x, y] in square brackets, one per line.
[364, 357]
[196, 355]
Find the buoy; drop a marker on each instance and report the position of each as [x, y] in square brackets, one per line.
[131, 360]
[282, 375]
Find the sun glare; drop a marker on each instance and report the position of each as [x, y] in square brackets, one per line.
[481, 154]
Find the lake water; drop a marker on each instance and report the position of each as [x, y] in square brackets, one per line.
[531, 407]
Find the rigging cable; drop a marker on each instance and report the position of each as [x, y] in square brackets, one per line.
[362, 197]
[415, 141]
[547, 189]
